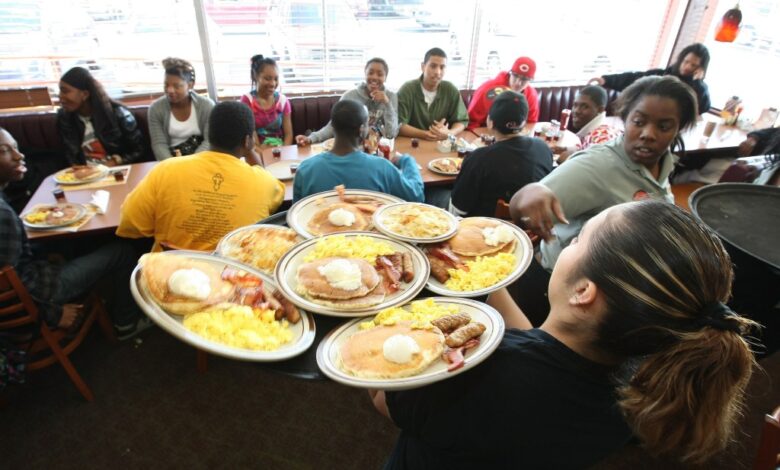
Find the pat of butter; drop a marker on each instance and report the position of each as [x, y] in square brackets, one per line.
[191, 283]
[342, 274]
[400, 349]
[341, 217]
[496, 235]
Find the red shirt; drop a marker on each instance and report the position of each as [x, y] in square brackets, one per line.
[485, 94]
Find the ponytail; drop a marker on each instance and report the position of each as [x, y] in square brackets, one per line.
[685, 399]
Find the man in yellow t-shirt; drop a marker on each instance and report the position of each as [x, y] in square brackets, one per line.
[191, 202]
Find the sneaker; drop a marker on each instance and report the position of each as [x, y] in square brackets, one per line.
[124, 332]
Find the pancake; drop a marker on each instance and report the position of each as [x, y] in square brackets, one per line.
[62, 214]
[320, 225]
[157, 269]
[82, 172]
[377, 295]
[312, 283]
[470, 241]
[362, 354]
[508, 248]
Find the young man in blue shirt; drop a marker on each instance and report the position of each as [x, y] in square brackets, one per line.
[347, 164]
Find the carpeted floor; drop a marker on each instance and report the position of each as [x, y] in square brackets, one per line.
[154, 410]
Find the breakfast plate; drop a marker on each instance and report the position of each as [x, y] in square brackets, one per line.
[45, 216]
[303, 213]
[329, 357]
[302, 332]
[259, 246]
[80, 174]
[523, 253]
[346, 246]
[445, 166]
[281, 170]
[415, 222]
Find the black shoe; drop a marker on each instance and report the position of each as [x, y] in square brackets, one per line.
[124, 332]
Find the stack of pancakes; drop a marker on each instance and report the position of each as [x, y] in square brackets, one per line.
[157, 268]
[469, 241]
[82, 172]
[321, 225]
[315, 286]
[362, 354]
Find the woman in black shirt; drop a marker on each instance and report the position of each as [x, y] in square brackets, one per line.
[638, 343]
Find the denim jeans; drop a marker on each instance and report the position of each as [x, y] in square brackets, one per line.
[111, 265]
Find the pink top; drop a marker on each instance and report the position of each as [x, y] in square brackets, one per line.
[268, 122]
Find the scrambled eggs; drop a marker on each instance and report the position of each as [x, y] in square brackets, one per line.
[67, 176]
[420, 313]
[354, 247]
[483, 272]
[36, 217]
[417, 221]
[240, 326]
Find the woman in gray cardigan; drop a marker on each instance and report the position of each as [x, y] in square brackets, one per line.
[178, 121]
[382, 104]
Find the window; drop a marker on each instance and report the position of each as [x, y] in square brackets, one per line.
[323, 45]
[750, 66]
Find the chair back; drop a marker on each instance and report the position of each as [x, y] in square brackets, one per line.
[19, 317]
[768, 456]
[17, 307]
[502, 210]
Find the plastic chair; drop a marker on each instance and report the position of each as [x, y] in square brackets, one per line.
[45, 346]
[768, 456]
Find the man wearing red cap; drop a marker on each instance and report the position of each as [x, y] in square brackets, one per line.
[518, 79]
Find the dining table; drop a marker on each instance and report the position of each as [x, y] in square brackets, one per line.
[99, 223]
[566, 138]
[424, 152]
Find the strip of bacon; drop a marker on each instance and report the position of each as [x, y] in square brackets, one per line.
[455, 356]
[391, 274]
[241, 278]
[445, 254]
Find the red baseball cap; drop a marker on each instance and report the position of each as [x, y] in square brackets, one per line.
[524, 66]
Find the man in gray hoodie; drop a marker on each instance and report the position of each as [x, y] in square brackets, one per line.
[382, 105]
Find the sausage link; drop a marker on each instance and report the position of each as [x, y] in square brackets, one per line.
[451, 322]
[464, 333]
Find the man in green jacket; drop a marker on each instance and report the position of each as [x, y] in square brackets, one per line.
[430, 107]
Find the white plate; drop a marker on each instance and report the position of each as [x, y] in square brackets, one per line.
[43, 225]
[328, 350]
[287, 270]
[436, 170]
[303, 331]
[524, 251]
[225, 244]
[378, 223]
[97, 176]
[281, 170]
[301, 212]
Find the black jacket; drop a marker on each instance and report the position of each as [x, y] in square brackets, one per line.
[620, 81]
[125, 139]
